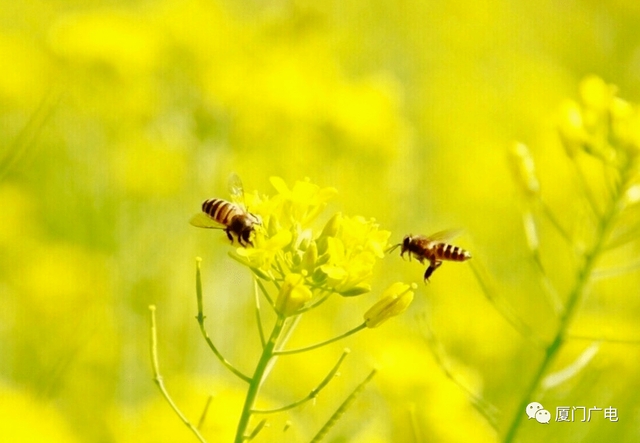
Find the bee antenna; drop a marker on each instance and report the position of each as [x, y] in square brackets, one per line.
[392, 248]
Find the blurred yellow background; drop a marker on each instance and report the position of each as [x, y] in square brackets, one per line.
[117, 119]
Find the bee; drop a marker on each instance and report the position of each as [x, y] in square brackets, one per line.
[232, 218]
[434, 248]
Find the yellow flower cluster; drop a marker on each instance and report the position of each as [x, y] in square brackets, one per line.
[288, 252]
[351, 246]
[601, 123]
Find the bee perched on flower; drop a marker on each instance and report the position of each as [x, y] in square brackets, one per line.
[233, 218]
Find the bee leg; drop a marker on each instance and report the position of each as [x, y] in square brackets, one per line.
[229, 235]
[246, 237]
[432, 267]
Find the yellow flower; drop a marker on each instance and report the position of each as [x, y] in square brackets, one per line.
[352, 254]
[395, 300]
[340, 259]
[293, 295]
[360, 235]
[303, 203]
[265, 250]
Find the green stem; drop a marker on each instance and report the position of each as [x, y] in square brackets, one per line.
[554, 221]
[203, 416]
[321, 299]
[324, 343]
[200, 318]
[157, 378]
[584, 275]
[503, 308]
[257, 379]
[258, 317]
[265, 292]
[486, 409]
[616, 341]
[341, 410]
[314, 392]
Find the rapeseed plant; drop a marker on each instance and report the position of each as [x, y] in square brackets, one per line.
[604, 130]
[296, 269]
[600, 135]
[601, 138]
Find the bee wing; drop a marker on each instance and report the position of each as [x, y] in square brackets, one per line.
[202, 220]
[445, 236]
[236, 189]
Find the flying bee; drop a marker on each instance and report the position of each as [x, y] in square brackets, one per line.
[232, 218]
[434, 248]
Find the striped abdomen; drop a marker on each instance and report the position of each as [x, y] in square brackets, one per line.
[221, 210]
[446, 251]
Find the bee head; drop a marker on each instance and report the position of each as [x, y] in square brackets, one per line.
[404, 244]
[247, 226]
[406, 241]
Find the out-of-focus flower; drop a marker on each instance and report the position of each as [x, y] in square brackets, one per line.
[632, 195]
[293, 295]
[571, 127]
[625, 125]
[602, 124]
[596, 94]
[395, 300]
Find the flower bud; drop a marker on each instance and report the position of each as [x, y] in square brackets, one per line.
[319, 276]
[323, 260]
[304, 244]
[310, 256]
[293, 295]
[571, 128]
[624, 123]
[296, 260]
[332, 226]
[595, 93]
[524, 169]
[356, 290]
[530, 231]
[395, 300]
[295, 233]
[323, 244]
